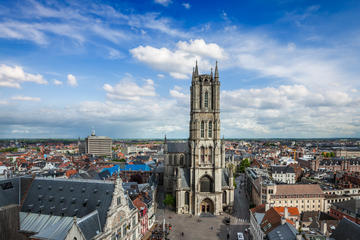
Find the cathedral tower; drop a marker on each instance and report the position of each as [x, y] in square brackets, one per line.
[201, 182]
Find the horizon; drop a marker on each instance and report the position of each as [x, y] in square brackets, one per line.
[288, 69]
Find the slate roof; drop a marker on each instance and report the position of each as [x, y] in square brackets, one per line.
[225, 177]
[352, 206]
[282, 232]
[90, 225]
[45, 226]
[346, 230]
[9, 191]
[69, 198]
[185, 178]
[177, 147]
[282, 169]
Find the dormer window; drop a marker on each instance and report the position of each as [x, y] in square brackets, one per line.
[202, 129]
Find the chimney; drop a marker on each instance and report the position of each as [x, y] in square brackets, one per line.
[286, 213]
[267, 207]
[297, 225]
[283, 221]
[299, 237]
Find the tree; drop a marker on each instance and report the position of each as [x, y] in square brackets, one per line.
[169, 200]
[243, 165]
[332, 154]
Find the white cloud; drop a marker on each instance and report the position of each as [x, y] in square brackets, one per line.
[163, 2]
[26, 98]
[15, 76]
[57, 82]
[160, 75]
[71, 79]
[115, 54]
[186, 5]
[128, 89]
[179, 62]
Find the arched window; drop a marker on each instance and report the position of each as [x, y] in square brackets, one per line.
[202, 129]
[210, 130]
[209, 155]
[182, 160]
[206, 184]
[202, 154]
[187, 198]
[206, 101]
[224, 197]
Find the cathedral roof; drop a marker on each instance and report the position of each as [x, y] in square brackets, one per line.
[185, 178]
[177, 147]
[225, 177]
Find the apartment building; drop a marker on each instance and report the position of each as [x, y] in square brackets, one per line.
[98, 145]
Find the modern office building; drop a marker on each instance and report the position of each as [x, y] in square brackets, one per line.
[98, 145]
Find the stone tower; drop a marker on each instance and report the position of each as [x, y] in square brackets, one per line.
[195, 171]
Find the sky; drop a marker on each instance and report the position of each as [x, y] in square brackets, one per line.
[288, 68]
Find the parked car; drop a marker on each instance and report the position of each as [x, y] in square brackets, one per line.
[240, 236]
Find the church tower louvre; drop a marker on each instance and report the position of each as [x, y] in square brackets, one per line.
[195, 171]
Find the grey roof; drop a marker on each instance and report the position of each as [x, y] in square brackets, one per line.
[90, 225]
[259, 217]
[282, 169]
[69, 198]
[352, 205]
[346, 230]
[42, 224]
[225, 177]
[282, 232]
[9, 191]
[177, 147]
[185, 178]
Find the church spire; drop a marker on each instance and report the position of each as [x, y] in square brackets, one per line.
[216, 73]
[196, 69]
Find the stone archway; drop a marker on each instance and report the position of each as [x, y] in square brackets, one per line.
[207, 206]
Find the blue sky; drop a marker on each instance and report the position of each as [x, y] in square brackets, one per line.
[288, 68]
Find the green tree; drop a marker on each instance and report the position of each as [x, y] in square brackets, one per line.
[243, 165]
[169, 200]
[327, 154]
[332, 154]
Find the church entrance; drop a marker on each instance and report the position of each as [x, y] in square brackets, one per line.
[207, 206]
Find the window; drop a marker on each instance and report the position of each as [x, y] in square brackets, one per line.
[202, 129]
[209, 154]
[224, 197]
[118, 200]
[202, 154]
[210, 130]
[206, 102]
[182, 160]
[205, 184]
[187, 198]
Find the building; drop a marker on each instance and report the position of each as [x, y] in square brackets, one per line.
[283, 174]
[346, 229]
[72, 209]
[195, 170]
[98, 145]
[349, 209]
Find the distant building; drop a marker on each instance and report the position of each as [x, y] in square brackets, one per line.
[283, 174]
[349, 209]
[346, 229]
[98, 145]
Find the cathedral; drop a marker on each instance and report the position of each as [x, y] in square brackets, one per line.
[195, 170]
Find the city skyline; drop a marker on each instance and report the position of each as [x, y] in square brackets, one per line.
[288, 69]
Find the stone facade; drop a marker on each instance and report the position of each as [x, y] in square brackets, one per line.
[195, 170]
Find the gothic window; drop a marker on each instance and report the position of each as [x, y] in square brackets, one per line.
[206, 184]
[202, 154]
[182, 160]
[206, 101]
[202, 129]
[187, 198]
[210, 130]
[224, 197]
[209, 154]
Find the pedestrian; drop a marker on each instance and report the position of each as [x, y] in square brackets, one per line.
[182, 233]
[211, 228]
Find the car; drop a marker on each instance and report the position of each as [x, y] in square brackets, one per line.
[227, 220]
[240, 236]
